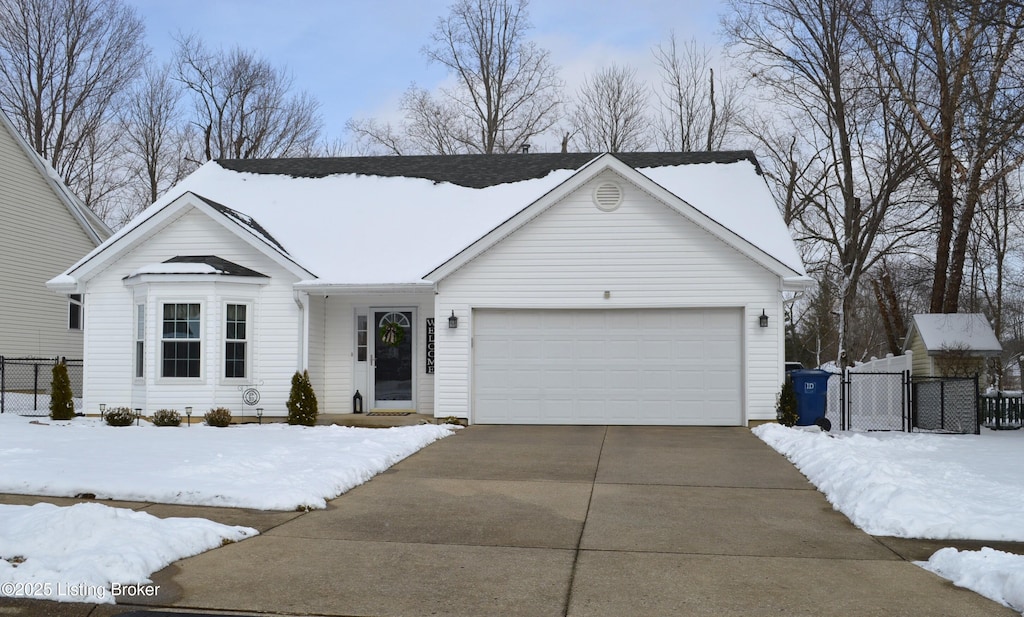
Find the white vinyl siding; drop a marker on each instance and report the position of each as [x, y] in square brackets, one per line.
[39, 239]
[644, 255]
[275, 322]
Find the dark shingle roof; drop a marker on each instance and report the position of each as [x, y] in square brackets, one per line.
[470, 170]
[244, 220]
[221, 264]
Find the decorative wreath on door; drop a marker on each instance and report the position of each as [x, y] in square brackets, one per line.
[392, 334]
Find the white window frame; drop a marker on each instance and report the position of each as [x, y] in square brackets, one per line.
[247, 341]
[76, 301]
[201, 340]
[140, 342]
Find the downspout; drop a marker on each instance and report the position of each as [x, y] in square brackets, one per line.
[302, 301]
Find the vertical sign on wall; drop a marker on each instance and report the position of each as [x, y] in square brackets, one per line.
[430, 345]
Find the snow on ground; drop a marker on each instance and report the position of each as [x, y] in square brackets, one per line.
[84, 552]
[924, 486]
[268, 467]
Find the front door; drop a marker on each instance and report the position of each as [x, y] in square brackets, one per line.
[392, 363]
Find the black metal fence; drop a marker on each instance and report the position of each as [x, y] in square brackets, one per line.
[946, 405]
[25, 384]
[1001, 410]
[899, 402]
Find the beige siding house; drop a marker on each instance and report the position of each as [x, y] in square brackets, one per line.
[955, 345]
[43, 229]
[640, 288]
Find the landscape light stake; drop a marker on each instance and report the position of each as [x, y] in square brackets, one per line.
[188, 414]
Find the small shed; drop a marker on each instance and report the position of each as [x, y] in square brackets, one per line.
[953, 344]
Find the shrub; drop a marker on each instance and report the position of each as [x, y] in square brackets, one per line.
[62, 404]
[302, 407]
[119, 416]
[785, 409]
[218, 416]
[166, 417]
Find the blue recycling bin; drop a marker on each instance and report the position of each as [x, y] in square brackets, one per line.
[811, 388]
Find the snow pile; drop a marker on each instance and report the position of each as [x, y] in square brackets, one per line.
[994, 574]
[268, 467]
[914, 485]
[86, 552]
[924, 486]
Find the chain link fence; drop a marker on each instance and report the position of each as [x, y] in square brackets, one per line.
[946, 405]
[25, 384]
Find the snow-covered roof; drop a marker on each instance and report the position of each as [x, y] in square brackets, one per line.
[350, 226]
[955, 331]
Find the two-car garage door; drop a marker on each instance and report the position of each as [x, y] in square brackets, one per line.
[645, 366]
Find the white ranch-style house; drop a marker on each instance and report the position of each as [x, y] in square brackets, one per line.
[642, 288]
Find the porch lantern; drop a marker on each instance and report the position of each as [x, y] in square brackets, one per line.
[357, 403]
[259, 414]
[188, 415]
[453, 321]
[763, 319]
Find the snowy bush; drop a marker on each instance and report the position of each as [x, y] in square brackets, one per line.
[302, 407]
[119, 416]
[166, 417]
[62, 405]
[218, 416]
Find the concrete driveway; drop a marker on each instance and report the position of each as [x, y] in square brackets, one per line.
[554, 521]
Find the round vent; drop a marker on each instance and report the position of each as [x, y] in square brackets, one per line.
[607, 196]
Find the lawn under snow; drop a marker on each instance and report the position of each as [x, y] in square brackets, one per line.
[924, 486]
[83, 553]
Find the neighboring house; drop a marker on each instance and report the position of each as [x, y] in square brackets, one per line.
[43, 228]
[639, 288]
[955, 344]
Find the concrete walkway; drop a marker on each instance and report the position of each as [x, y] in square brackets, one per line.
[555, 521]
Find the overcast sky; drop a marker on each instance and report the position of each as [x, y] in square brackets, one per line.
[358, 56]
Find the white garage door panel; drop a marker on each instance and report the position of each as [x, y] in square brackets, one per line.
[649, 366]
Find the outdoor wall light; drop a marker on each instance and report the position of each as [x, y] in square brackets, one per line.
[763, 319]
[188, 415]
[453, 321]
[259, 414]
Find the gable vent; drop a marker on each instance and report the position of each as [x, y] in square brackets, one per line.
[607, 196]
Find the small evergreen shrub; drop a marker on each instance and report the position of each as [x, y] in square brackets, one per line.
[785, 409]
[166, 417]
[62, 404]
[302, 407]
[119, 416]
[218, 416]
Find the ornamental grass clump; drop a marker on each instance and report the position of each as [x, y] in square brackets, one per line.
[218, 416]
[166, 417]
[62, 403]
[119, 416]
[302, 406]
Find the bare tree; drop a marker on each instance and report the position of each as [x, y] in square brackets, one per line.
[610, 113]
[955, 65]
[62, 64]
[243, 106]
[695, 111]
[153, 138]
[811, 61]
